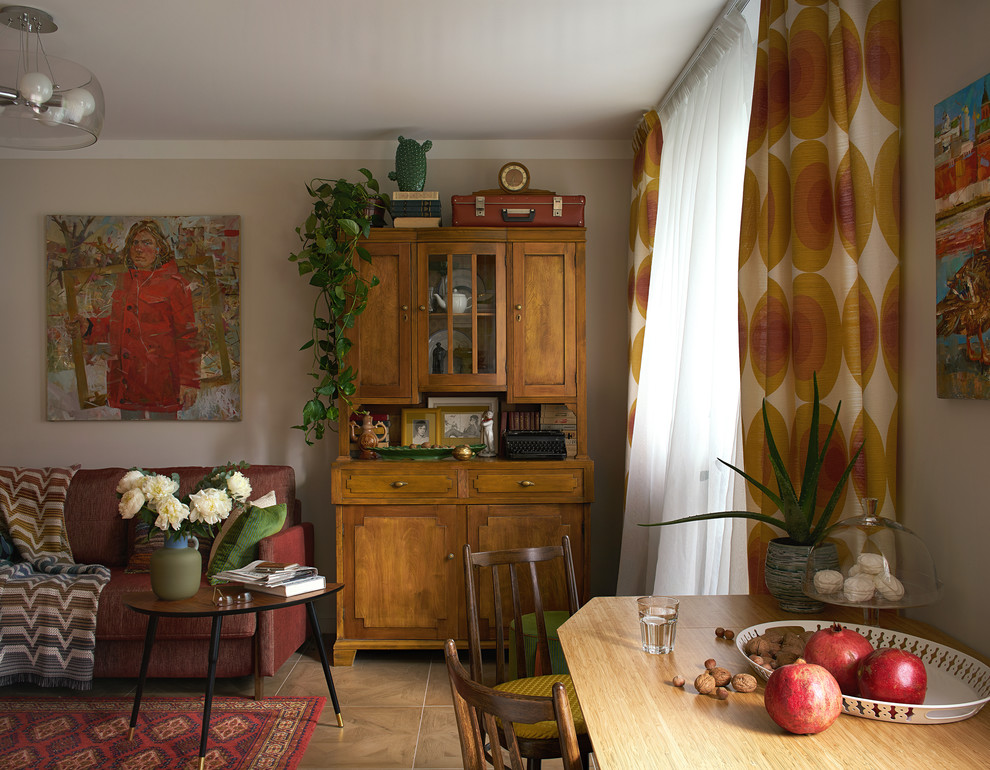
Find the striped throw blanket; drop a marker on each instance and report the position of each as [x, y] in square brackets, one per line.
[47, 601]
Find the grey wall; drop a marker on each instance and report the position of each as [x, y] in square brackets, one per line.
[942, 489]
[270, 197]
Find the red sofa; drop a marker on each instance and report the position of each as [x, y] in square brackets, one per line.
[98, 535]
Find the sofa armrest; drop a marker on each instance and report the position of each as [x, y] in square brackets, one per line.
[292, 545]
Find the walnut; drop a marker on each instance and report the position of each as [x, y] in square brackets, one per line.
[722, 676]
[765, 648]
[744, 683]
[705, 684]
[792, 639]
[774, 635]
[784, 658]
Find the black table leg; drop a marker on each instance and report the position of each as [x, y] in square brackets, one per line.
[211, 679]
[315, 625]
[149, 640]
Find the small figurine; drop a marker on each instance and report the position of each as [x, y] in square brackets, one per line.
[410, 164]
[439, 359]
[488, 434]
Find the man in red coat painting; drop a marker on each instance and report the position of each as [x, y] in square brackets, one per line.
[153, 371]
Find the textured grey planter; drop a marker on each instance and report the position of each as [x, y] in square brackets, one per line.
[784, 573]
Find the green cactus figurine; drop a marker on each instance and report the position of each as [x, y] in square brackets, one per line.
[410, 164]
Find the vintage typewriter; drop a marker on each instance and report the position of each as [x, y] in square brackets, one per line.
[535, 445]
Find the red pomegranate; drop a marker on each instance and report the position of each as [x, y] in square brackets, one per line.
[839, 650]
[893, 675]
[803, 698]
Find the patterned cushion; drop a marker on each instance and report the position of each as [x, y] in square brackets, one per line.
[237, 546]
[543, 686]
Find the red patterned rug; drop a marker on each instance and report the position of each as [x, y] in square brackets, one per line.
[82, 733]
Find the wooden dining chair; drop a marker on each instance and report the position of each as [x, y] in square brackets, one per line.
[524, 595]
[484, 711]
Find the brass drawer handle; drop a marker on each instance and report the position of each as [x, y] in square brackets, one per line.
[400, 484]
[450, 556]
[526, 484]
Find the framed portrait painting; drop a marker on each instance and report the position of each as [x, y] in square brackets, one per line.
[143, 317]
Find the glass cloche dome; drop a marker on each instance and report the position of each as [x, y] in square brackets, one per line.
[882, 565]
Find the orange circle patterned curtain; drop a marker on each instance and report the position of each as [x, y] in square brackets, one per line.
[819, 265]
[642, 228]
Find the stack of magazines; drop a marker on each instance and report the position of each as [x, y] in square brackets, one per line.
[270, 577]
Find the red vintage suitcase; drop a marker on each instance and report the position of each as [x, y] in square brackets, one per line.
[481, 210]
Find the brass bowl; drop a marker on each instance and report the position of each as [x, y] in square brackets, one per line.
[462, 452]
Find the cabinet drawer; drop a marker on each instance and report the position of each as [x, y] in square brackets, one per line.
[397, 483]
[562, 484]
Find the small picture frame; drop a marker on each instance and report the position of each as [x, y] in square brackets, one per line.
[473, 404]
[419, 426]
[461, 424]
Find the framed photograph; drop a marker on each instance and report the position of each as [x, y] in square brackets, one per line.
[475, 402]
[460, 418]
[419, 426]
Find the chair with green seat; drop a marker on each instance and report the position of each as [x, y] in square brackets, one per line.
[524, 595]
[481, 711]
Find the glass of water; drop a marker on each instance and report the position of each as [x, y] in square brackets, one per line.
[658, 623]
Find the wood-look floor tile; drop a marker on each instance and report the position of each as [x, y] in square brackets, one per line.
[382, 738]
[438, 746]
[396, 678]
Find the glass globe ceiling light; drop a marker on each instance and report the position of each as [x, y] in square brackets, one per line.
[46, 103]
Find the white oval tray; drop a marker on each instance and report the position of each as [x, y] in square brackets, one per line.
[958, 685]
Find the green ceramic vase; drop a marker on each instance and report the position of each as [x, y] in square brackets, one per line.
[177, 568]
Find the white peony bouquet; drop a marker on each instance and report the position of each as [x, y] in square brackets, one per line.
[152, 497]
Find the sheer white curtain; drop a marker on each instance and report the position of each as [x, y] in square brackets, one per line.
[687, 409]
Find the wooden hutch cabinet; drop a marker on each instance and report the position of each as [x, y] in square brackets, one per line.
[491, 312]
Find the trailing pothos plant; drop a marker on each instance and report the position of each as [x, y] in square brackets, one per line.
[341, 216]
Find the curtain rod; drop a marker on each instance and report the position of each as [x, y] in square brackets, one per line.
[730, 6]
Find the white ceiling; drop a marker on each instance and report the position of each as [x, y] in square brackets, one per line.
[373, 69]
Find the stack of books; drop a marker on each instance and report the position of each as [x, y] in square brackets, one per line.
[411, 208]
[269, 577]
[559, 417]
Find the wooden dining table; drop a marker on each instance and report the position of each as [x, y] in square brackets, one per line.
[638, 719]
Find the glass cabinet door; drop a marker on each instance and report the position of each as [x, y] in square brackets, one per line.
[462, 341]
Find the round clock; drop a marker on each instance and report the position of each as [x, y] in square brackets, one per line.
[513, 177]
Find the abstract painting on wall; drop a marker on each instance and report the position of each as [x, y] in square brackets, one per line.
[143, 317]
[962, 242]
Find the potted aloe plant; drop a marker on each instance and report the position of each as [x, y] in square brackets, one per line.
[343, 213]
[787, 556]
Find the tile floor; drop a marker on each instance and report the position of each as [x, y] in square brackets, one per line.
[395, 705]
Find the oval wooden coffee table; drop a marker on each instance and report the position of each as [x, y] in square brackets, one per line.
[202, 605]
